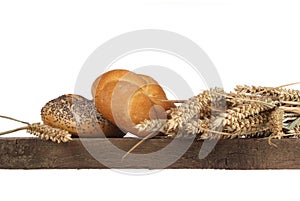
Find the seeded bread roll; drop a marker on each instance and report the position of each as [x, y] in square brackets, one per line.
[126, 99]
[79, 116]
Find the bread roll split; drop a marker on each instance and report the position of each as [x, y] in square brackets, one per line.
[126, 99]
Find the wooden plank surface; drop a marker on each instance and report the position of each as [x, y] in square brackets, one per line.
[32, 153]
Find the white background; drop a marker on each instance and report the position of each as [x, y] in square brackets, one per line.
[43, 45]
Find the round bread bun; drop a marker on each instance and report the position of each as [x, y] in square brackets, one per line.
[126, 99]
[79, 116]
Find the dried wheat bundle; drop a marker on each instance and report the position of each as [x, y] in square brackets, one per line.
[44, 132]
[249, 117]
[248, 112]
[188, 119]
[197, 107]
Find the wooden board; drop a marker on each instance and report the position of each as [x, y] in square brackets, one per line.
[32, 153]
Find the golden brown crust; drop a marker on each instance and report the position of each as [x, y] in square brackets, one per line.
[155, 92]
[79, 116]
[139, 107]
[104, 99]
[126, 98]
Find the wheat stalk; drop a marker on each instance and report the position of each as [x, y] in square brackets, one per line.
[276, 93]
[251, 112]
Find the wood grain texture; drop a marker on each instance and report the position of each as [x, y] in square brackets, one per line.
[33, 153]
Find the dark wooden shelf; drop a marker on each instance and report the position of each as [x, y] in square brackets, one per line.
[33, 153]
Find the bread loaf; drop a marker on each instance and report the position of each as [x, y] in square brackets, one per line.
[79, 116]
[126, 99]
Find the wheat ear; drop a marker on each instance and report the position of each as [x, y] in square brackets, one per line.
[251, 126]
[276, 125]
[195, 107]
[44, 132]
